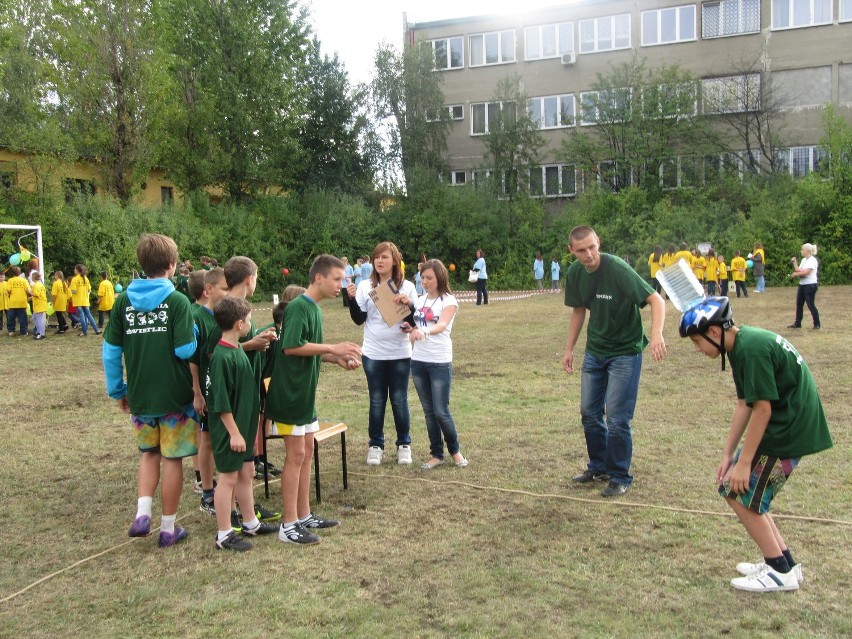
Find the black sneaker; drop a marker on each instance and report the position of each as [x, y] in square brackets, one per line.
[236, 521]
[207, 506]
[265, 514]
[258, 470]
[261, 529]
[589, 476]
[297, 535]
[276, 472]
[233, 542]
[315, 522]
[614, 490]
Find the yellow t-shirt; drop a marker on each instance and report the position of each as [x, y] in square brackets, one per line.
[654, 266]
[698, 264]
[106, 295]
[39, 298]
[59, 293]
[80, 290]
[711, 273]
[723, 271]
[685, 255]
[18, 289]
[667, 259]
[4, 296]
[738, 266]
[762, 255]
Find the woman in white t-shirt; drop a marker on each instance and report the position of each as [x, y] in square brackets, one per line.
[385, 354]
[432, 360]
[807, 274]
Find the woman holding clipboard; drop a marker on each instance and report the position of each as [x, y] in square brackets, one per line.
[386, 351]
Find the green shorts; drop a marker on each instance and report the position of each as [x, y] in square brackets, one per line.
[228, 460]
[172, 435]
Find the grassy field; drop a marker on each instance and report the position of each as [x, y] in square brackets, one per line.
[505, 548]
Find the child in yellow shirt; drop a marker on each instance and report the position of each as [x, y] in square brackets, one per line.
[4, 299]
[698, 265]
[81, 288]
[711, 272]
[59, 293]
[19, 292]
[39, 305]
[106, 298]
[738, 268]
[723, 275]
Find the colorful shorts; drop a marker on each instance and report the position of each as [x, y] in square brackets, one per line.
[172, 435]
[768, 476]
[292, 429]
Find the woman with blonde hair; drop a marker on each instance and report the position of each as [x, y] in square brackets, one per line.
[807, 274]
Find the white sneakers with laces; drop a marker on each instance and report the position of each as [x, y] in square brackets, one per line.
[403, 455]
[374, 456]
[765, 579]
[746, 569]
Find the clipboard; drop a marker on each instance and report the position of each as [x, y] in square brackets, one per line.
[391, 312]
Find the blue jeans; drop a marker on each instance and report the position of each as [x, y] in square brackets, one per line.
[608, 390]
[21, 315]
[433, 382]
[761, 283]
[84, 314]
[388, 378]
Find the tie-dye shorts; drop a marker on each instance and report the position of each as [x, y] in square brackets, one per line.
[173, 435]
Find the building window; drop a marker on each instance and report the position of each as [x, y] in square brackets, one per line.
[800, 160]
[605, 34]
[554, 180]
[548, 41]
[485, 116]
[167, 194]
[552, 111]
[729, 17]
[449, 53]
[613, 176]
[7, 179]
[612, 105]
[77, 187]
[670, 100]
[845, 10]
[681, 172]
[497, 47]
[456, 178]
[791, 14]
[732, 94]
[666, 26]
[454, 111]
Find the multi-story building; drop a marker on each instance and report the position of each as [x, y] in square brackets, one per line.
[733, 47]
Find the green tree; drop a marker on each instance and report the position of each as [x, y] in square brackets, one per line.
[407, 95]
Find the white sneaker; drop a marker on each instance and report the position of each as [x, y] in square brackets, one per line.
[403, 455]
[748, 570]
[767, 580]
[374, 456]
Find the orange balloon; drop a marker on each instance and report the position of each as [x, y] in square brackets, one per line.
[452, 267]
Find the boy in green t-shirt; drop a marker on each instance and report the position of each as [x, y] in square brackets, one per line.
[291, 401]
[208, 288]
[151, 328]
[233, 409]
[780, 413]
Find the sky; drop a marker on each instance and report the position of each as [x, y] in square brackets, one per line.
[355, 29]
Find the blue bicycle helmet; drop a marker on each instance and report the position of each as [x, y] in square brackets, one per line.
[711, 311]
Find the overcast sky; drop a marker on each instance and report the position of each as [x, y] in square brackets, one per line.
[354, 29]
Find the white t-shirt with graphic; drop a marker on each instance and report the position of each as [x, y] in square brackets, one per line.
[382, 342]
[438, 348]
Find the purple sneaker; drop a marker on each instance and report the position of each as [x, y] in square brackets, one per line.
[141, 527]
[170, 539]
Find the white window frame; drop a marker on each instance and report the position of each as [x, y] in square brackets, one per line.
[482, 47]
[447, 40]
[845, 11]
[561, 100]
[690, 86]
[727, 6]
[737, 83]
[456, 177]
[677, 163]
[586, 121]
[561, 190]
[449, 109]
[791, 6]
[680, 22]
[617, 171]
[488, 106]
[799, 161]
[562, 48]
[597, 24]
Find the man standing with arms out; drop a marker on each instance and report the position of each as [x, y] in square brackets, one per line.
[608, 288]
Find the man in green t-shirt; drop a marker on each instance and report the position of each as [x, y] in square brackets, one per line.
[612, 292]
[779, 412]
[152, 329]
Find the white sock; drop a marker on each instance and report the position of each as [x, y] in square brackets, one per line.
[305, 519]
[167, 524]
[143, 506]
[251, 525]
[221, 534]
[286, 526]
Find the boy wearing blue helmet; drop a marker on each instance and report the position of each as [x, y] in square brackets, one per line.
[779, 412]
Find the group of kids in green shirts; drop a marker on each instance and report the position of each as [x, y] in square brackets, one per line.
[778, 418]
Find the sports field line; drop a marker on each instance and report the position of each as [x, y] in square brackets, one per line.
[616, 503]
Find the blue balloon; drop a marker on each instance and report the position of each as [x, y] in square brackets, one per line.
[749, 263]
[118, 288]
[15, 259]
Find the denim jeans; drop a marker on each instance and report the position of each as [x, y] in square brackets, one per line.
[481, 291]
[433, 382]
[760, 283]
[806, 295]
[19, 315]
[608, 390]
[388, 378]
[84, 314]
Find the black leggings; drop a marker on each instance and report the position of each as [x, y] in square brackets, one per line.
[806, 295]
[481, 291]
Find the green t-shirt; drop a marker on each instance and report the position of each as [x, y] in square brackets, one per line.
[208, 336]
[292, 390]
[767, 367]
[615, 324]
[158, 382]
[257, 359]
[231, 388]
